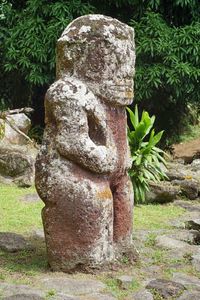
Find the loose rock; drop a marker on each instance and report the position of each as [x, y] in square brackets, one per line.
[162, 192]
[167, 242]
[61, 296]
[191, 237]
[16, 165]
[195, 165]
[13, 242]
[30, 198]
[73, 286]
[187, 281]
[24, 297]
[22, 122]
[15, 290]
[196, 261]
[176, 171]
[125, 281]
[97, 297]
[142, 295]
[190, 206]
[194, 295]
[190, 188]
[193, 224]
[38, 234]
[166, 288]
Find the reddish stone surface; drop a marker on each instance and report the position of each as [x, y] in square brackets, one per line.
[81, 170]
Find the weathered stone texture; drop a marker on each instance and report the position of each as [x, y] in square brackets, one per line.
[81, 170]
[167, 289]
[73, 286]
[13, 242]
[16, 165]
[11, 136]
[17, 158]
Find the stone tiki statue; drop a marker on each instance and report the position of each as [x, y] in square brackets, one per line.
[81, 169]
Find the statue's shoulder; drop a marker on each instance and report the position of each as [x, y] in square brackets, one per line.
[70, 88]
[67, 87]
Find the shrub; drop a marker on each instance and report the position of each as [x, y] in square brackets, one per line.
[167, 70]
[146, 157]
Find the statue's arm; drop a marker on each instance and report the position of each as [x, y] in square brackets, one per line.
[81, 130]
[82, 150]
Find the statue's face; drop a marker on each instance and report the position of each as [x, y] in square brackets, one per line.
[108, 70]
[99, 51]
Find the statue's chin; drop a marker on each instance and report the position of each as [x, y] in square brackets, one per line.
[116, 100]
[122, 101]
[121, 97]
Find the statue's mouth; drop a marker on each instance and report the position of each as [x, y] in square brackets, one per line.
[122, 84]
[124, 88]
[119, 91]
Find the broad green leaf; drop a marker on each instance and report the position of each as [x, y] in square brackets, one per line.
[146, 157]
[132, 118]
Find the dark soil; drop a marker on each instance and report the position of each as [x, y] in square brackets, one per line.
[188, 150]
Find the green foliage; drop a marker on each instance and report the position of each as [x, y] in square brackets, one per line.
[167, 59]
[193, 132]
[30, 44]
[29, 30]
[167, 69]
[146, 157]
[167, 49]
[176, 12]
[51, 294]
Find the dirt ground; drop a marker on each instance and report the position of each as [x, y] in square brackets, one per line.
[187, 150]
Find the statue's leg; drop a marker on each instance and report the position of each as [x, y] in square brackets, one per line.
[78, 223]
[123, 215]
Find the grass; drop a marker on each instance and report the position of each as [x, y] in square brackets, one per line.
[153, 217]
[115, 289]
[27, 263]
[159, 256]
[193, 132]
[151, 240]
[23, 217]
[17, 215]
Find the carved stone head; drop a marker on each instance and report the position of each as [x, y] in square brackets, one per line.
[100, 52]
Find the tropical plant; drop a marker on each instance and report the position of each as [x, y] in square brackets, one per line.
[167, 70]
[29, 30]
[146, 157]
